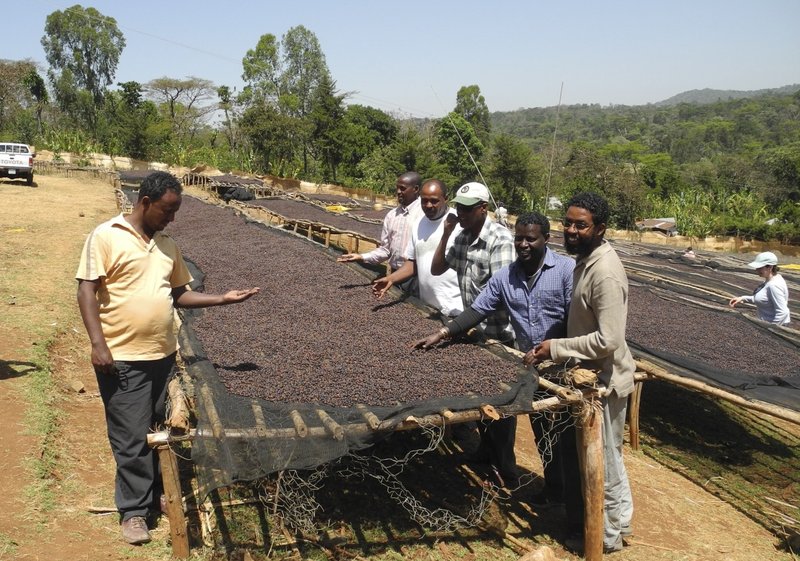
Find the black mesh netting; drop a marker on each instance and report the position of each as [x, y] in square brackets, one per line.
[299, 375]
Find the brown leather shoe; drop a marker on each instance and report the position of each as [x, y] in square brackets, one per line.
[134, 530]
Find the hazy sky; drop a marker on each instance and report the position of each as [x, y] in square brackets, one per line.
[412, 56]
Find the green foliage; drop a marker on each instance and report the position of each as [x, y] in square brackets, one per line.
[364, 130]
[458, 149]
[184, 103]
[515, 175]
[283, 76]
[83, 48]
[326, 118]
[87, 44]
[471, 105]
[16, 96]
[73, 141]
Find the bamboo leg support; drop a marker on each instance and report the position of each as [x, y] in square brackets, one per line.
[633, 415]
[371, 419]
[334, 428]
[172, 491]
[590, 455]
[299, 425]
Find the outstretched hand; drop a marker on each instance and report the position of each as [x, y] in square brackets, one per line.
[733, 301]
[537, 354]
[381, 286]
[427, 342]
[236, 296]
[349, 257]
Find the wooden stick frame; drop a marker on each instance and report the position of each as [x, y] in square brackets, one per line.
[163, 440]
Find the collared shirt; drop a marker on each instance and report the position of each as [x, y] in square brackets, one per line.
[440, 292]
[538, 312]
[598, 315]
[135, 292]
[395, 235]
[475, 262]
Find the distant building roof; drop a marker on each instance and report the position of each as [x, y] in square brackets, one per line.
[666, 225]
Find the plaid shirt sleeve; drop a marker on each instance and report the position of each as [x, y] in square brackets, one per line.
[501, 252]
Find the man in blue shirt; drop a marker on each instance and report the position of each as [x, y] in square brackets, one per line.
[536, 289]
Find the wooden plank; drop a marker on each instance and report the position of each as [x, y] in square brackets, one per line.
[172, 491]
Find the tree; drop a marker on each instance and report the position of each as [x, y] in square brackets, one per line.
[513, 172]
[364, 130]
[471, 105]
[183, 103]
[451, 134]
[37, 88]
[227, 104]
[327, 112]
[14, 94]
[87, 44]
[130, 125]
[273, 138]
[262, 71]
[285, 75]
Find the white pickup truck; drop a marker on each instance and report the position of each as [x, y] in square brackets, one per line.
[16, 161]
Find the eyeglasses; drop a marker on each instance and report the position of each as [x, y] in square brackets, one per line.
[579, 226]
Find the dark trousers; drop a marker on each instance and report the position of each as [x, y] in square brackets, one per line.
[497, 444]
[135, 401]
[558, 448]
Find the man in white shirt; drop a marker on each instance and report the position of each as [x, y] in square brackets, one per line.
[440, 292]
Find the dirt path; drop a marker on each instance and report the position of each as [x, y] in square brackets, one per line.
[41, 232]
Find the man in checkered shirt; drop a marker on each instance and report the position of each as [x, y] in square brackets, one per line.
[481, 249]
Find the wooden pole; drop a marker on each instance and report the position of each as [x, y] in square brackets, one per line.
[590, 456]
[172, 491]
[774, 410]
[633, 415]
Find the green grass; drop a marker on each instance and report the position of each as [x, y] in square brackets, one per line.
[8, 547]
[42, 418]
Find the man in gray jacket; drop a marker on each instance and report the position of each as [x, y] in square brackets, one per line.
[596, 337]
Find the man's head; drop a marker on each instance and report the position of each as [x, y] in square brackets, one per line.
[407, 187]
[433, 197]
[159, 200]
[585, 223]
[472, 206]
[531, 233]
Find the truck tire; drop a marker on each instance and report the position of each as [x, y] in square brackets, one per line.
[29, 179]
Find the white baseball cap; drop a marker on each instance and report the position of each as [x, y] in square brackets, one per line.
[762, 259]
[471, 194]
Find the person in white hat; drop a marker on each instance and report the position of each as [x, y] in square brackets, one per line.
[771, 298]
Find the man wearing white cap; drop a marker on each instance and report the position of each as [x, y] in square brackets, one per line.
[771, 298]
[480, 250]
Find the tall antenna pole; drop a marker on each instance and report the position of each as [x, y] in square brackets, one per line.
[552, 153]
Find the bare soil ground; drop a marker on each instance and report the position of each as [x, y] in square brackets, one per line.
[41, 232]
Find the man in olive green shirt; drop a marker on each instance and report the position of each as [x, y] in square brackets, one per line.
[596, 337]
